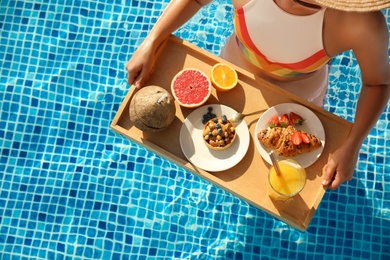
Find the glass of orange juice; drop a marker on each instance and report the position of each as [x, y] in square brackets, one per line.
[289, 183]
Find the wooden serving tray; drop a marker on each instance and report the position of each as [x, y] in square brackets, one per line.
[248, 179]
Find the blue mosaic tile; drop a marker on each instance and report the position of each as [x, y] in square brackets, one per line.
[70, 188]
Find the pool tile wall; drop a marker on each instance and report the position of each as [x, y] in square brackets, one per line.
[70, 188]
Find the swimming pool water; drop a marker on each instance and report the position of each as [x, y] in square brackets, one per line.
[70, 188]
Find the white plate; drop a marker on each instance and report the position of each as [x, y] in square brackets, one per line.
[196, 151]
[311, 125]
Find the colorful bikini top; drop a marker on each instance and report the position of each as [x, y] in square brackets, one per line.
[278, 42]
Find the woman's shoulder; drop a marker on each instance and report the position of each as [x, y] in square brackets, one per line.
[347, 30]
[352, 21]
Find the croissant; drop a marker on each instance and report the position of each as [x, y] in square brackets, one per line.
[279, 140]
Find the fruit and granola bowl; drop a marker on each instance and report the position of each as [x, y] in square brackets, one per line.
[219, 133]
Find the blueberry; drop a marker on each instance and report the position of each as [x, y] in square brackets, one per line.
[215, 120]
[220, 131]
[210, 134]
[224, 119]
[218, 126]
[210, 109]
[211, 115]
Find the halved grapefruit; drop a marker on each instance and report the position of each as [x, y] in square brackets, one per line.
[191, 87]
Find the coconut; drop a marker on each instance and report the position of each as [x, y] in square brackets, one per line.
[152, 109]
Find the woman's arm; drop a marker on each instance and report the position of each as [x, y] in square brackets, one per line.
[369, 39]
[178, 12]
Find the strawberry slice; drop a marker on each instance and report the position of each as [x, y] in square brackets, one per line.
[273, 122]
[305, 138]
[296, 138]
[296, 119]
[284, 121]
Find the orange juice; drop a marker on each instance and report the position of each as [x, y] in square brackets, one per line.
[289, 183]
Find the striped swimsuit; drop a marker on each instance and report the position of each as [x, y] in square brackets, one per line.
[283, 44]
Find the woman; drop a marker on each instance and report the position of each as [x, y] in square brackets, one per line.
[289, 42]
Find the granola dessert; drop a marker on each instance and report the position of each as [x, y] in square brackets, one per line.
[219, 133]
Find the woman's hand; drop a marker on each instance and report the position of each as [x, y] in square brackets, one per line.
[141, 65]
[340, 167]
[177, 13]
